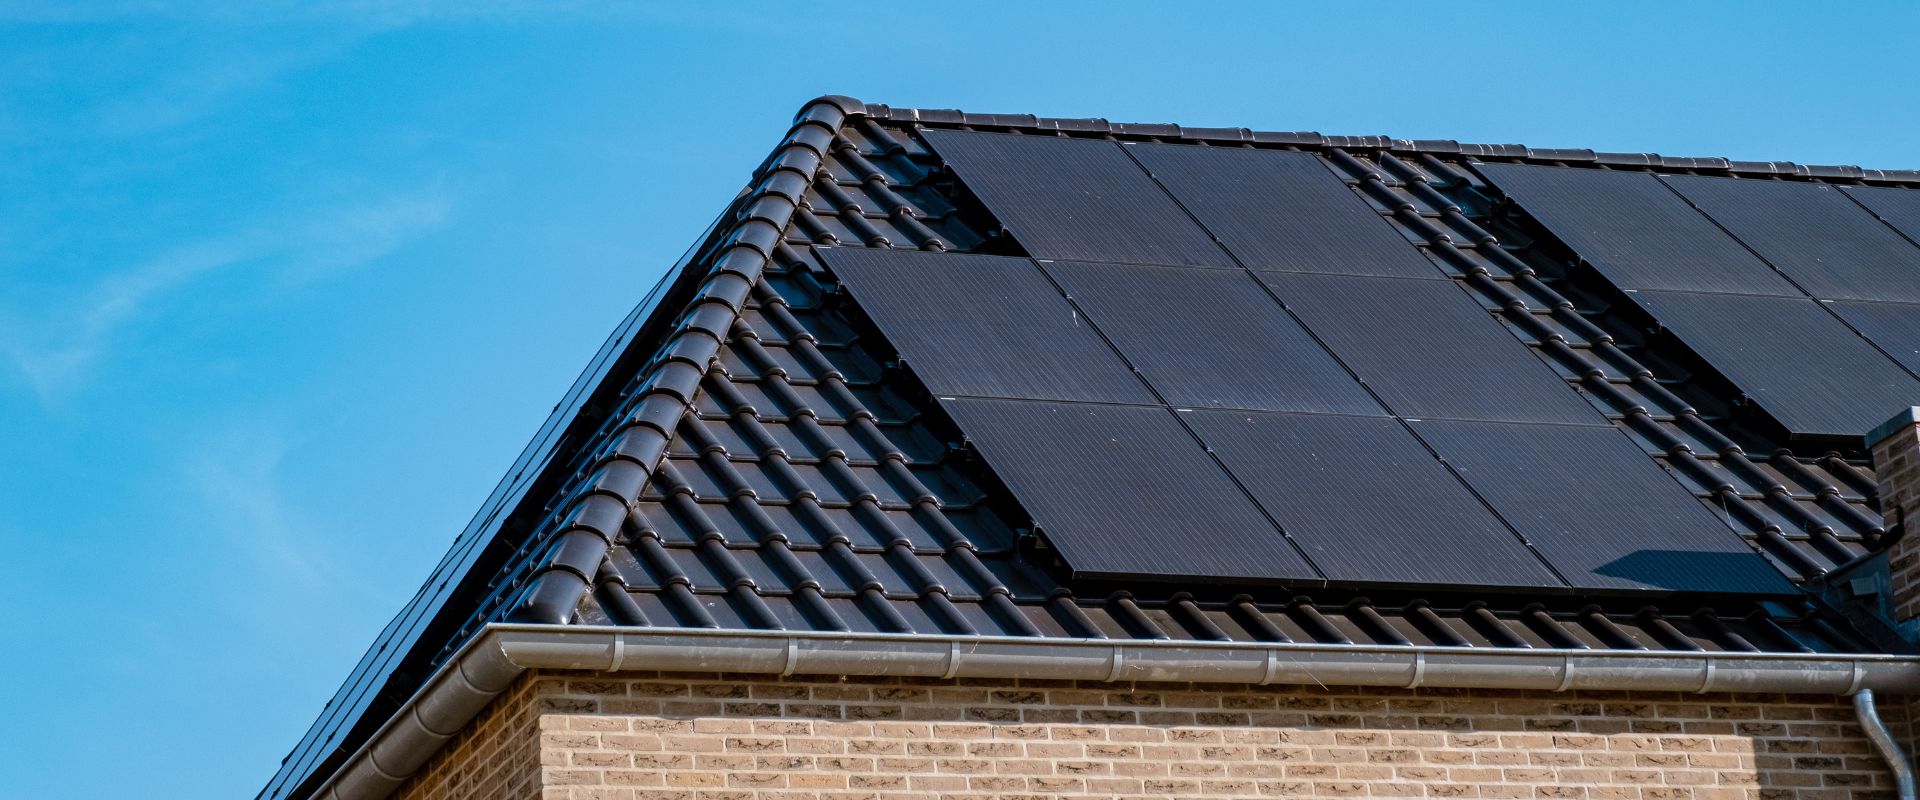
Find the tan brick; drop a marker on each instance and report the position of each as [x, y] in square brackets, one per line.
[599, 737]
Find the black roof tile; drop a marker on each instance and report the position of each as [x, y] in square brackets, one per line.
[800, 476]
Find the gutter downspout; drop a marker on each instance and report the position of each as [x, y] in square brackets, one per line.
[1884, 744]
[492, 661]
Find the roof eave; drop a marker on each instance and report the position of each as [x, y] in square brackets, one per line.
[490, 664]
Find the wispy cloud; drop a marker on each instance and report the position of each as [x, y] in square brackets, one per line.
[55, 345]
[234, 477]
[196, 90]
[233, 483]
[367, 13]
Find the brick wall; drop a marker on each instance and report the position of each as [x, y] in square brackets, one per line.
[1896, 460]
[754, 738]
[498, 755]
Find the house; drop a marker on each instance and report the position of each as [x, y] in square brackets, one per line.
[993, 455]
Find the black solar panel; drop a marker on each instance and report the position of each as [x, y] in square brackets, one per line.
[1799, 363]
[1211, 338]
[1075, 198]
[983, 325]
[1604, 514]
[1428, 350]
[1635, 230]
[1282, 210]
[1899, 207]
[1894, 327]
[1366, 501]
[1125, 490]
[1814, 233]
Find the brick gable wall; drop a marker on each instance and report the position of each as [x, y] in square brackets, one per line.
[498, 755]
[710, 737]
[1896, 462]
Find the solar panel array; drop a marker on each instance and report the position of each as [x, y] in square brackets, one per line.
[1429, 350]
[1798, 361]
[1800, 294]
[1635, 230]
[1076, 198]
[1281, 210]
[1566, 489]
[999, 308]
[1310, 400]
[1211, 338]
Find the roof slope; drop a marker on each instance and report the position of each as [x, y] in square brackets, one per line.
[750, 452]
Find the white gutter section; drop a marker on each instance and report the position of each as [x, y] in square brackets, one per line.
[489, 664]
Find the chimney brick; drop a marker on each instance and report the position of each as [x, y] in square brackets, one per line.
[1896, 461]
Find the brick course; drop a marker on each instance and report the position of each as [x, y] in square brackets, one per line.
[713, 737]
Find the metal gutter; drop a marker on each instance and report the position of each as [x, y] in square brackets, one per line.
[489, 664]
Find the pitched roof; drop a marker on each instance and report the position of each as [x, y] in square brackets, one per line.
[751, 451]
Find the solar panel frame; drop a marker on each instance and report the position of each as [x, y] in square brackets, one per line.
[1094, 476]
[1211, 338]
[1899, 208]
[1813, 232]
[967, 325]
[1282, 210]
[1367, 502]
[1073, 198]
[1893, 327]
[1637, 232]
[1803, 366]
[1603, 513]
[1428, 349]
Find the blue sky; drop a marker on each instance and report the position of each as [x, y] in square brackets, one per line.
[288, 285]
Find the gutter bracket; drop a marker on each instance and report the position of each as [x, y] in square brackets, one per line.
[619, 652]
[1706, 681]
[1419, 669]
[953, 661]
[792, 658]
[1119, 663]
[1566, 673]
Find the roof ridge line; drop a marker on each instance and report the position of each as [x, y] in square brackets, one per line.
[943, 117]
[669, 382]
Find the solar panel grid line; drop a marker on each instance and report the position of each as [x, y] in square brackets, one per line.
[1210, 338]
[1278, 525]
[1399, 418]
[1065, 184]
[1411, 431]
[1095, 316]
[1818, 237]
[1892, 327]
[1128, 454]
[1390, 331]
[1688, 427]
[1898, 208]
[1279, 210]
[1797, 417]
[1554, 300]
[1784, 275]
[1307, 465]
[1668, 230]
[1544, 476]
[969, 322]
[1291, 314]
[1162, 402]
[1184, 425]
